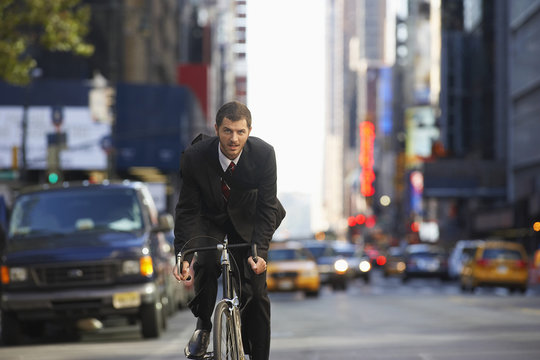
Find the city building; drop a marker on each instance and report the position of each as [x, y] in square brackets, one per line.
[355, 56]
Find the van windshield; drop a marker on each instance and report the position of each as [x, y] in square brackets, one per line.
[76, 210]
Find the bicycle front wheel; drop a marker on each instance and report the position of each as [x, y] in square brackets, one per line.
[227, 340]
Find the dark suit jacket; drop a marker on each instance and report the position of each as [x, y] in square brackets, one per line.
[252, 208]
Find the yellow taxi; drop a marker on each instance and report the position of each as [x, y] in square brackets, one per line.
[496, 264]
[292, 268]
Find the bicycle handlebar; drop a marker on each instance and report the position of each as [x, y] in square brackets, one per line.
[180, 256]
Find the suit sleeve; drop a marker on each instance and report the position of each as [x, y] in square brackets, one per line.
[188, 207]
[266, 213]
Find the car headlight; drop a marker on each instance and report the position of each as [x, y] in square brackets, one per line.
[147, 267]
[142, 266]
[341, 265]
[14, 274]
[364, 266]
[130, 267]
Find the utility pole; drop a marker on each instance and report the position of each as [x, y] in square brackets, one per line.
[35, 73]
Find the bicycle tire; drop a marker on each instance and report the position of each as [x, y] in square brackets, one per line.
[227, 340]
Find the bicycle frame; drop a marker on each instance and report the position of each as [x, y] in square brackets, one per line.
[229, 297]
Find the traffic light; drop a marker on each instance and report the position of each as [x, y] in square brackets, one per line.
[53, 177]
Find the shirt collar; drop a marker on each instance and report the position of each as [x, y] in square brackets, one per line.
[224, 161]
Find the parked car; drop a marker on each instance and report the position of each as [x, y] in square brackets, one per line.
[333, 268]
[425, 260]
[461, 253]
[496, 263]
[77, 252]
[395, 262]
[292, 268]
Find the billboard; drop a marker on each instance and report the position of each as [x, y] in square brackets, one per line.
[84, 137]
[422, 133]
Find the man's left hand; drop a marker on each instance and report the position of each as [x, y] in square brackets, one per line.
[258, 267]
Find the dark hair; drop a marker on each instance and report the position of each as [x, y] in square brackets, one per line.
[233, 111]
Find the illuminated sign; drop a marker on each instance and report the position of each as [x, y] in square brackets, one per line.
[367, 176]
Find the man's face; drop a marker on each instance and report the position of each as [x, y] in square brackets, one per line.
[232, 137]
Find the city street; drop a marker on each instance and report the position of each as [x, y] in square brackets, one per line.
[424, 319]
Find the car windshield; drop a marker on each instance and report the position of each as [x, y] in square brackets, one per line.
[286, 254]
[501, 254]
[344, 252]
[316, 251]
[77, 210]
[425, 254]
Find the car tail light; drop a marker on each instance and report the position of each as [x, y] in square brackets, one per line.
[482, 262]
[521, 264]
[381, 260]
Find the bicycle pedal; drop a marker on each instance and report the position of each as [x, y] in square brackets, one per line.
[207, 356]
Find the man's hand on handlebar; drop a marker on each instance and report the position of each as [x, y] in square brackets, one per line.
[258, 267]
[185, 275]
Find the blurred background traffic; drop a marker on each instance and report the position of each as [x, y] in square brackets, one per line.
[430, 122]
[430, 109]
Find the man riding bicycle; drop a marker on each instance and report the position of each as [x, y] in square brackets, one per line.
[229, 189]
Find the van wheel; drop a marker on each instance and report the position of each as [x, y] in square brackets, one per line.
[151, 320]
[11, 329]
[34, 329]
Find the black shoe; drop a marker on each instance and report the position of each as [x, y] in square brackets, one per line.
[196, 347]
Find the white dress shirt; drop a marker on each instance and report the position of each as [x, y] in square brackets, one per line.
[225, 161]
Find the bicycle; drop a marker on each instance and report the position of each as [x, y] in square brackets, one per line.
[227, 335]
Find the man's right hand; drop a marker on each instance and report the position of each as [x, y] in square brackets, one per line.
[185, 275]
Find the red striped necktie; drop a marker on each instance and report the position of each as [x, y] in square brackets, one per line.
[225, 188]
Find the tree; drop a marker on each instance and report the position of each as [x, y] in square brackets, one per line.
[55, 25]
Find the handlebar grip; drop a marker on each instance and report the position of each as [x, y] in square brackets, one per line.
[179, 259]
[254, 254]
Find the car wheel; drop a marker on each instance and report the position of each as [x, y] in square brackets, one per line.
[165, 313]
[34, 329]
[11, 329]
[151, 320]
[312, 294]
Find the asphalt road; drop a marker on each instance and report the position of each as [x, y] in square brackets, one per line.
[421, 320]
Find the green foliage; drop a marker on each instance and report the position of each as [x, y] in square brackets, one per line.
[56, 25]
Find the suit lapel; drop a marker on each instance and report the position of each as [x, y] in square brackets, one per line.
[214, 169]
[244, 169]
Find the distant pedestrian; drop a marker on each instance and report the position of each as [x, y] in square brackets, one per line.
[229, 188]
